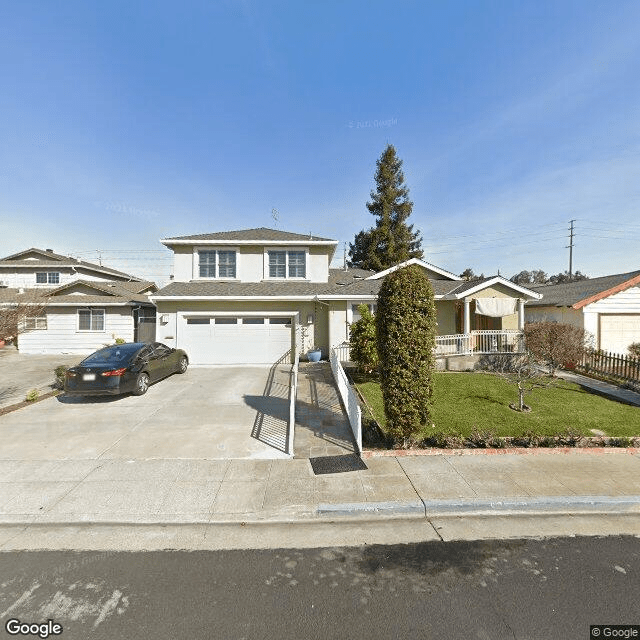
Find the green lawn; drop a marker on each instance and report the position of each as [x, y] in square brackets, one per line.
[467, 401]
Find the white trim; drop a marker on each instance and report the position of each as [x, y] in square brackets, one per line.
[420, 263]
[195, 270]
[320, 298]
[498, 280]
[169, 242]
[287, 278]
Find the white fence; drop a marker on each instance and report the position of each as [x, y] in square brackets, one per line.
[349, 398]
[480, 342]
[293, 392]
[342, 352]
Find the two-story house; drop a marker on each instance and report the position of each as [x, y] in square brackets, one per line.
[248, 296]
[78, 306]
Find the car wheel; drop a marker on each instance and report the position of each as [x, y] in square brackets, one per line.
[142, 384]
[182, 365]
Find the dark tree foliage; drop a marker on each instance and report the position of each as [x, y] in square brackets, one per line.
[406, 328]
[391, 240]
[470, 276]
[538, 276]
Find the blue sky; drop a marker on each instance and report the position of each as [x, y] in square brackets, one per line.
[124, 122]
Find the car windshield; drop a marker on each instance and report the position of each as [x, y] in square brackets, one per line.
[112, 355]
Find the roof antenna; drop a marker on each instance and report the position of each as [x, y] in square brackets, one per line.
[344, 261]
[274, 215]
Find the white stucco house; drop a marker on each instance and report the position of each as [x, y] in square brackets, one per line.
[608, 308]
[78, 306]
[249, 296]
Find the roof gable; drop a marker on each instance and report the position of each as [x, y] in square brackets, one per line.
[256, 236]
[473, 286]
[432, 270]
[35, 255]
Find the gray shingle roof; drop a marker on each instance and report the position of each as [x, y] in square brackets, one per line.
[570, 293]
[260, 234]
[341, 283]
[55, 260]
[120, 292]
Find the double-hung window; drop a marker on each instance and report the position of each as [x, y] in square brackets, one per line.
[287, 264]
[90, 319]
[33, 323]
[217, 264]
[48, 277]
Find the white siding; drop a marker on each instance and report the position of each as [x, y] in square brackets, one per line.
[62, 335]
[26, 276]
[625, 302]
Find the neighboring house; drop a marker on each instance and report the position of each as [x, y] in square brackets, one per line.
[83, 306]
[246, 296]
[608, 308]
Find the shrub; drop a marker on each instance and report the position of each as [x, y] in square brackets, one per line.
[120, 341]
[32, 396]
[634, 349]
[362, 338]
[405, 323]
[60, 372]
[555, 344]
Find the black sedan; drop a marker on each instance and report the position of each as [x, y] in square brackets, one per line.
[124, 368]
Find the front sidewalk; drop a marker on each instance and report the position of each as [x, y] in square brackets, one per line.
[214, 491]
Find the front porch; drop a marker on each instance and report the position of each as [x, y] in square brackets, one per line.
[476, 342]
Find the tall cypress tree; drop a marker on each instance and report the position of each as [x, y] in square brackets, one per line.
[391, 240]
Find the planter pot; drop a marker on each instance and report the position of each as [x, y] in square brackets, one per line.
[314, 356]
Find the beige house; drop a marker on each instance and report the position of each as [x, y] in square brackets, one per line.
[250, 296]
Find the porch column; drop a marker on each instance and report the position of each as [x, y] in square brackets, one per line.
[520, 314]
[467, 316]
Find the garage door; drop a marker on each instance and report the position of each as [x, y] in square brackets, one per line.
[234, 340]
[617, 332]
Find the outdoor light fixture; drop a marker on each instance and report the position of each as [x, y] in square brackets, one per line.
[310, 318]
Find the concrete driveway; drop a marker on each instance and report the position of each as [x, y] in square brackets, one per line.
[19, 373]
[203, 414]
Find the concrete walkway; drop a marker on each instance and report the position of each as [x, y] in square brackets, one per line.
[322, 427]
[604, 388]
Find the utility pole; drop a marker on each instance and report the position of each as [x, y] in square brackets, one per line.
[570, 247]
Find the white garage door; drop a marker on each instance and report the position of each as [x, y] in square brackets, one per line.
[234, 340]
[617, 332]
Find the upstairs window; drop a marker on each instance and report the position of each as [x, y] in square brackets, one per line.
[217, 264]
[48, 277]
[287, 264]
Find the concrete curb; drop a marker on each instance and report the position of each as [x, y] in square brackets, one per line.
[548, 504]
[531, 451]
[482, 506]
[409, 508]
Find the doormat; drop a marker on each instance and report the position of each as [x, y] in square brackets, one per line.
[337, 464]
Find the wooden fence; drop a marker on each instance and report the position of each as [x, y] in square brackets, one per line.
[611, 364]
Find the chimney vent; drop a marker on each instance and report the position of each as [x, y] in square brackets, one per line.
[49, 250]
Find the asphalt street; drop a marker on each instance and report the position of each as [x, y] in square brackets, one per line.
[523, 589]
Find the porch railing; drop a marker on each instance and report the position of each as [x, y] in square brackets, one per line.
[481, 342]
[477, 342]
[348, 396]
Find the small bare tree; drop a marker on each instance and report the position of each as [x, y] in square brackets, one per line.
[519, 369]
[15, 316]
[556, 344]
